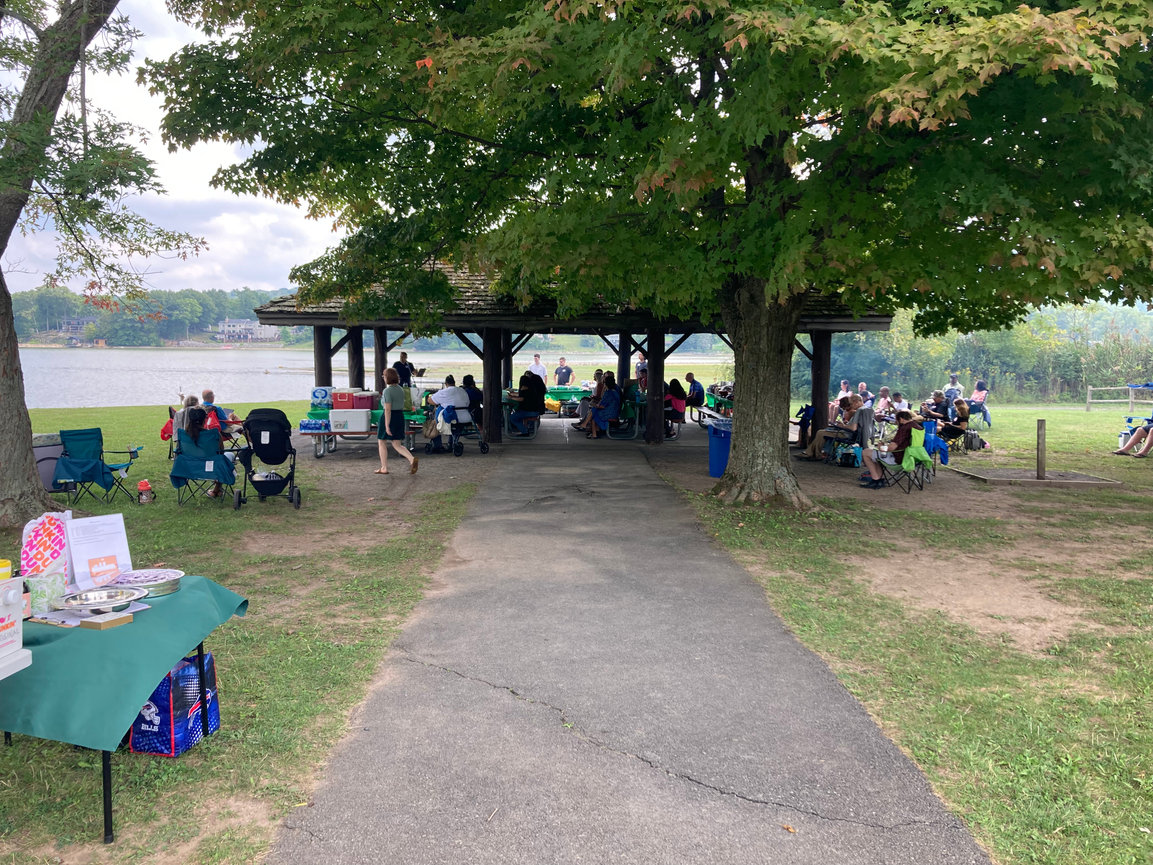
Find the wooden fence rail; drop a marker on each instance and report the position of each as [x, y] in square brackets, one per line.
[1135, 396]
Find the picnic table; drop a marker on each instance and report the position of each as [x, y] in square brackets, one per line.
[324, 442]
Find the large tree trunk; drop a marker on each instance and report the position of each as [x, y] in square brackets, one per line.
[21, 494]
[60, 48]
[763, 337]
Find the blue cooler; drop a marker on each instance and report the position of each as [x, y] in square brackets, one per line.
[720, 441]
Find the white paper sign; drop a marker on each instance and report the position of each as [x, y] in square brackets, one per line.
[98, 548]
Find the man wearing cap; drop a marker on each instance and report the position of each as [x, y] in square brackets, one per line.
[537, 368]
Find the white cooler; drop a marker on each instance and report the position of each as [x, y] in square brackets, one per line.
[350, 420]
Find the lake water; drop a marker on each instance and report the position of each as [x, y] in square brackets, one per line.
[90, 377]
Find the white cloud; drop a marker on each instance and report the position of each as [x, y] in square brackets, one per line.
[252, 242]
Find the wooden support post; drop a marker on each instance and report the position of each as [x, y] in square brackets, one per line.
[624, 357]
[1040, 449]
[379, 357]
[655, 410]
[322, 356]
[1089, 398]
[493, 342]
[356, 357]
[506, 358]
[821, 366]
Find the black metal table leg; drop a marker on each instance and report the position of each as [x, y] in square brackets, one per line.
[106, 769]
[200, 668]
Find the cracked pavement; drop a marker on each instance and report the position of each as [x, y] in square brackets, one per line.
[589, 679]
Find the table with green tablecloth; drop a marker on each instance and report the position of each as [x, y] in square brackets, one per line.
[85, 687]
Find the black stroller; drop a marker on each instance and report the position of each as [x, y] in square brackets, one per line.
[269, 437]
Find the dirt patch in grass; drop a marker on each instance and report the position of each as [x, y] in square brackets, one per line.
[1004, 589]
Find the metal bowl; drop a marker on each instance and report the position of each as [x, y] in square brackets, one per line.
[99, 600]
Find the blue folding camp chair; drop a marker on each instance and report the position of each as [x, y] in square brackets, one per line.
[81, 467]
[199, 465]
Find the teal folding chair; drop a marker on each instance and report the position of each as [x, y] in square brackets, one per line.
[82, 467]
[199, 465]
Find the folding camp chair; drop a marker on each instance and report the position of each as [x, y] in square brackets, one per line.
[856, 441]
[916, 468]
[81, 466]
[199, 465]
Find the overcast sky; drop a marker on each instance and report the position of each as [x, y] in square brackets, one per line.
[252, 242]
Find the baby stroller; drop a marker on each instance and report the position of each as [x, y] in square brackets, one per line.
[269, 437]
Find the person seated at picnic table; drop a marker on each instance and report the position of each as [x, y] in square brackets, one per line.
[196, 421]
[835, 405]
[955, 428]
[449, 395]
[937, 409]
[837, 429]
[978, 398]
[530, 395]
[475, 400]
[696, 394]
[900, 403]
[177, 420]
[584, 410]
[607, 409]
[890, 453]
[1139, 435]
[674, 407]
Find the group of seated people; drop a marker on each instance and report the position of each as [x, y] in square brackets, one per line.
[604, 406]
[465, 401]
[857, 416]
[198, 414]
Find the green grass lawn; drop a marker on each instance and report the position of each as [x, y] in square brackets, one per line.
[1047, 756]
[320, 618]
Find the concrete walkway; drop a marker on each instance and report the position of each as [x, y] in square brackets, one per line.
[591, 680]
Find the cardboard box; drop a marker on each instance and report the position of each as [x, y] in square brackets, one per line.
[104, 621]
[343, 398]
[357, 420]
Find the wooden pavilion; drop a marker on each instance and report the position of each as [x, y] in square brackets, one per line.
[504, 328]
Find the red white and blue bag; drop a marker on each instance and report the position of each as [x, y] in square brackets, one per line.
[169, 723]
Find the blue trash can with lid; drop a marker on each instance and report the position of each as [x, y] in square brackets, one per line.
[720, 441]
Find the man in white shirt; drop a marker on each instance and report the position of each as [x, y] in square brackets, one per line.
[457, 397]
[537, 368]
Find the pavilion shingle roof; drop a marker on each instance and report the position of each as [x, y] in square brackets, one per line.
[478, 306]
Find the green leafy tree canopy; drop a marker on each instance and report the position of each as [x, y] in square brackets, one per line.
[697, 158]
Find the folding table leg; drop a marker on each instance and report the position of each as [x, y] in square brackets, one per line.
[200, 668]
[106, 770]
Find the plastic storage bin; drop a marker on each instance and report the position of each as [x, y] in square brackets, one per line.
[720, 442]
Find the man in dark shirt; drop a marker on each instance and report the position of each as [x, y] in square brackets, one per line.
[696, 395]
[562, 375]
[406, 370]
